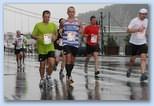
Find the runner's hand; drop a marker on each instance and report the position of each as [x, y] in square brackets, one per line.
[141, 29]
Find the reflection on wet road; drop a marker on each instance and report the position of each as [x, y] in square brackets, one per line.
[112, 84]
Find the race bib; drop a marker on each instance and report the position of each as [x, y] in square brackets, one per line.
[93, 38]
[47, 38]
[71, 36]
[61, 42]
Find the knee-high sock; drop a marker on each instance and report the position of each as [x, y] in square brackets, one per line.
[68, 68]
[71, 68]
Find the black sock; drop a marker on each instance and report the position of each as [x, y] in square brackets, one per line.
[71, 65]
[71, 68]
[67, 66]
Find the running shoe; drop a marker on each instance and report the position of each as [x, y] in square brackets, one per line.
[49, 81]
[41, 84]
[97, 73]
[69, 80]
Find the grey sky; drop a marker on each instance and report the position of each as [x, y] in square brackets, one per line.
[13, 20]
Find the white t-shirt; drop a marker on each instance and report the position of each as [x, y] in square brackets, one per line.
[138, 38]
[19, 41]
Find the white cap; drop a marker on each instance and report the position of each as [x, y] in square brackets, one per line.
[143, 10]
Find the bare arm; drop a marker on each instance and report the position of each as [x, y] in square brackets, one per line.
[54, 37]
[132, 30]
[35, 37]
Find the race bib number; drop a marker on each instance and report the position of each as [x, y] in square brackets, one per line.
[93, 38]
[71, 36]
[47, 38]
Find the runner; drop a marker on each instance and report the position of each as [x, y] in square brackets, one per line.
[72, 28]
[59, 47]
[92, 34]
[138, 28]
[20, 42]
[45, 34]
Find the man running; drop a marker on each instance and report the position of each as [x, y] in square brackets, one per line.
[72, 28]
[92, 34]
[59, 47]
[19, 44]
[45, 34]
[137, 28]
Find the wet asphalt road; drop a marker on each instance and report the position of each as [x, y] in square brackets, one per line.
[112, 83]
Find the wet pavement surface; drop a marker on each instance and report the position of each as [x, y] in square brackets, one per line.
[112, 84]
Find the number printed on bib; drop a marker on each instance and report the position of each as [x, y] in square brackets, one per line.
[93, 38]
[71, 36]
[47, 38]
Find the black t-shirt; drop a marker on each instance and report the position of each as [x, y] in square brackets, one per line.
[57, 46]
